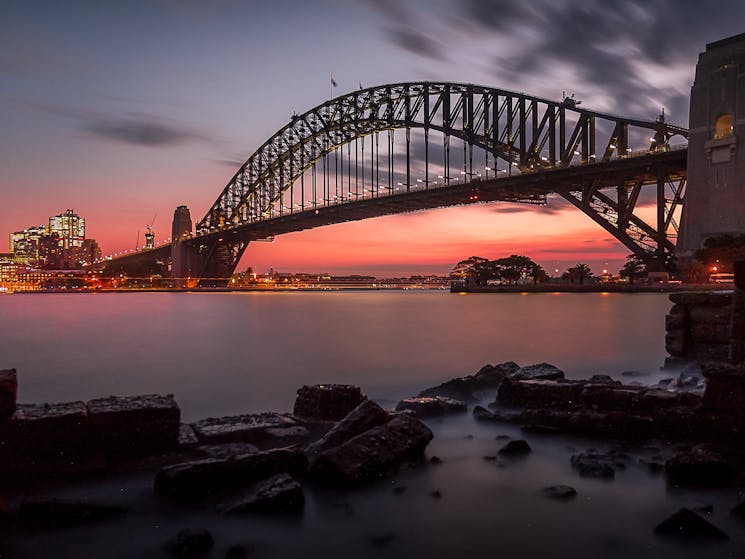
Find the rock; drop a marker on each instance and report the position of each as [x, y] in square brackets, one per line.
[687, 523]
[54, 513]
[540, 393]
[190, 543]
[186, 436]
[284, 436]
[247, 428]
[605, 379]
[596, 464]
[464, 388]
[134, 423]
[517, 447]
[376, 452]
[654, 466]
[482, 414]
[559, 492]
[399, 489]
[540, 371]
[609, 398]
[227, 450]
[436, 494]
[676, 342]
[279, 493]
[49, 429]
[431, 406]
[435, 460]
[203, 477]
[479, 412]
[739, 510]
[8, 393]
[725, 388]
[705, 509]
[362, 418]
[327, 401]
[700, 466]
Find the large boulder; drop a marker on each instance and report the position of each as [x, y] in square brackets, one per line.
[212, 475]
[59, 429]
[122, 424]
[250, 428]
[465, 388]
[8, 393]
[596, 464]
[539, 371]
[375, 453]
[327, 401]
[279, 493]
[688, 524]
[431, 406]
[700, 466]
[607, 397]
[362, 418]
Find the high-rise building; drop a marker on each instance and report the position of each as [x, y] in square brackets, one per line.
[25, 244]
[70, 227]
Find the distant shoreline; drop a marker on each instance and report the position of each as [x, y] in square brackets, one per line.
[594, 288]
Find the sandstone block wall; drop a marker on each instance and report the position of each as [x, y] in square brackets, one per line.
[698, 326]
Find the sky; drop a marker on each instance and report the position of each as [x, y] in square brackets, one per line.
[124, 110]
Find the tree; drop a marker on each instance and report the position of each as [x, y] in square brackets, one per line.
[510, 269]
[579, 272]
[634, 268]
[467, 267]
[721, 251]
[694, 271]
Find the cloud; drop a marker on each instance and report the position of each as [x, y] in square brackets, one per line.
[141, 132]
[415, 42]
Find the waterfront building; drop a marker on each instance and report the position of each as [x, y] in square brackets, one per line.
[24, 244]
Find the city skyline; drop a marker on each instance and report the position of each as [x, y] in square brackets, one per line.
[128, 121]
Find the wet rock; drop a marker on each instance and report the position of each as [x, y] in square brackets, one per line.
[502, 437]
[634, 374]
[38, 430]
[362, 418]
[700, 466]
[435, 460]
[653, 466]
[540, 371]
[8, 393]
[596, 464]
[464, 388]
[436, 494]
[249, 428]
[327, 401]
[490, 458]
[540, 429]
[134, 423]
[284, 436]
[186, 436]
[559, 492]
[686, 523]
[432, 406]
[227, 450]
[704, 509]
[190, 543]
[739, 510]
[203, 477]
[517, 447]
[279, 493]
[610, 397]
[482, 414]
[40, 512]
[540, 393]
[376, 452]
[603, 379]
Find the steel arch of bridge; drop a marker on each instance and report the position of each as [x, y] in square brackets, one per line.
[598, 162]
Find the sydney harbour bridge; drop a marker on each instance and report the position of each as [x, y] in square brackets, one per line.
[414, 146]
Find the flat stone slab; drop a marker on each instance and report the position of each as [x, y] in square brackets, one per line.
[279, 493]
[435, 405]
[250, 428]
[49, 428]
[327, 401]
[130, 423]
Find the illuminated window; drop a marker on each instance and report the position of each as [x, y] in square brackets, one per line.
[723, 126]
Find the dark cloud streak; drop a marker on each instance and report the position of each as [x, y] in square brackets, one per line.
[141, 132]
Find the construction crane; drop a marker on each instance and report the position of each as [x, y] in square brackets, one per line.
[149, 235]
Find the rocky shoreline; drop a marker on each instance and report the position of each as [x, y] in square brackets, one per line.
[337, 437]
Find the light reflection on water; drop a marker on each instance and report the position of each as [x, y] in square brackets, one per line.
[222, 353]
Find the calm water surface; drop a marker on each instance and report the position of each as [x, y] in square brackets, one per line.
[227, 353]
[222, 353]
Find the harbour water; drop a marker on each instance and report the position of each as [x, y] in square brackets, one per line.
[239, 352]
[223, 353]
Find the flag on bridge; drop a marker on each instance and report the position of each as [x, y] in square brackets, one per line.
[333, 81]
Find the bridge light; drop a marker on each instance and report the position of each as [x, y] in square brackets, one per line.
[612, 146]
[576, 152]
